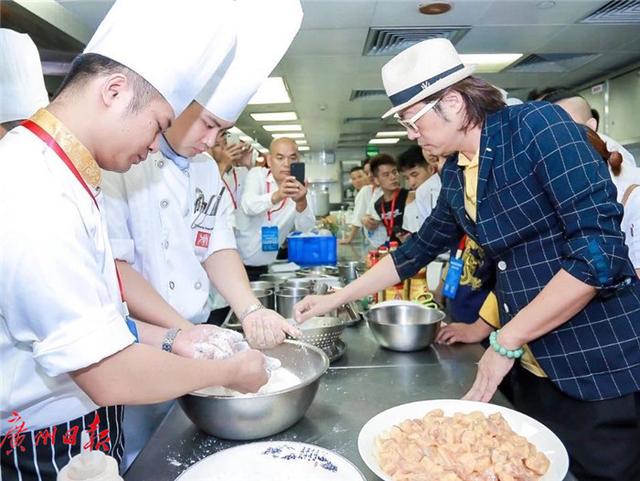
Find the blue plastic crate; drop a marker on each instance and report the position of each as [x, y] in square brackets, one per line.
[312, 251]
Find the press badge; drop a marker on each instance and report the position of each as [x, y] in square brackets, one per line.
[270, 242]
[452, 281]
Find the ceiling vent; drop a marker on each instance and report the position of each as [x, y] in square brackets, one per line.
[362, 120]
[553, 62]
[616, 12]
[367, 94]
[393, 40]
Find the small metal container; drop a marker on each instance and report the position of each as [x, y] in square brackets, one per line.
[269, 286]
[404, 327]
[350, 271]
[277, 278]
[303, 282]
[287, 298]
[265, 296]
[261, 415]
[318, 271]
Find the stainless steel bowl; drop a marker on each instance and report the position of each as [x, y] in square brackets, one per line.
[318, 271]
[322, 332]
[299, 282]
[261, 415]
[288, 297]
[404, 327]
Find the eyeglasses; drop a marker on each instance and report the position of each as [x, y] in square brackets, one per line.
[410, 124]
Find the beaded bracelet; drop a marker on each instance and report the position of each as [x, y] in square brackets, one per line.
[503, 351]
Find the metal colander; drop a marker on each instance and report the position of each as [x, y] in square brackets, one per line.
[322, 332]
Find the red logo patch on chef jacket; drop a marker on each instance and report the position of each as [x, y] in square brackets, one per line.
[202, 239]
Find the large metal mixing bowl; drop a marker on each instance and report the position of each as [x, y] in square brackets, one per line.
[404, 327]
[261, 415]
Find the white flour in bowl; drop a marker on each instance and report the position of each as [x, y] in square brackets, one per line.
[279, 380]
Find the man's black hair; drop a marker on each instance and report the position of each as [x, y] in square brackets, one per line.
[541, 94]
[381, 159]
[596, 115]
[561, 94]
[355, 169]
[89, 65]
[410, 158]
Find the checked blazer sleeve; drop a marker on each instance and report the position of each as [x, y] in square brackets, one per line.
[578, 184]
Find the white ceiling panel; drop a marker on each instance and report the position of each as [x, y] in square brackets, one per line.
[337, 14]
[405, 13]
[508, 39]
[528, 12]
[591, 38]
[329, 42]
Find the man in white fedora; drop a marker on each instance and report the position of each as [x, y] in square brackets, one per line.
[21, 80]
[70, 356]
[525, 184]
[169, 217]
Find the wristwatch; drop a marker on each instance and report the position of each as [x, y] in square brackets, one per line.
[169, 337]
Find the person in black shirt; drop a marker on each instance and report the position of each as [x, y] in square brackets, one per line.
[389, 209]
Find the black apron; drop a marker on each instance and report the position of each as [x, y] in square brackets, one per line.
[40, 455]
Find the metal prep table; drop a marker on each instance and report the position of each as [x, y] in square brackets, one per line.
[364, 382]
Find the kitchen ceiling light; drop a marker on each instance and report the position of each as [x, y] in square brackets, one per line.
[434, 8]
[303, 148]
[274, 116]
[283, 128]
[490, 62]
[395, 133]
[272, 91]
[384, 141]
[301, 142]
[290, 135]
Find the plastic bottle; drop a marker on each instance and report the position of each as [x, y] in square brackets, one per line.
[382, 252]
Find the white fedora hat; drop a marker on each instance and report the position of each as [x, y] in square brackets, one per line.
[420, 71]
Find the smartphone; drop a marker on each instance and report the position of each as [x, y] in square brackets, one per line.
[297, 170]
[232, 138]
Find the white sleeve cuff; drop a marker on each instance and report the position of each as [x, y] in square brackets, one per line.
[83, 342]
[222, 239]
[123, 250]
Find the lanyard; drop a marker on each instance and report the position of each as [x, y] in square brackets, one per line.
[269, 212]
[233, 192]
[388, 223]
[53, 145]
[461, 246]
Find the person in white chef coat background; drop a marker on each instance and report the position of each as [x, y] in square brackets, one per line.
[169, 217]
[273, 204]
[69, 355]
[22, 90]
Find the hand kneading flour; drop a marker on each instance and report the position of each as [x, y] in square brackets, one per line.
[279, 380]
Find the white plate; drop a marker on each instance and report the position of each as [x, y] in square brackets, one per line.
[273, 461]
[535, 432]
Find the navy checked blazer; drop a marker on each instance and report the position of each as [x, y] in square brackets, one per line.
[545, 203]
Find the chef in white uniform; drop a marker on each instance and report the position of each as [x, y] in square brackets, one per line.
[22, 89]
[273, 204]
[69, 355]
[169, 217]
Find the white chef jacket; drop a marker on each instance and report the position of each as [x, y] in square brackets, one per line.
[364, 205]
[160, 222]
[417, 211]
[252, 216]
[631, 226]
[60, 304]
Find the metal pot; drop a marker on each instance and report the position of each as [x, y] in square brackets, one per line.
[287, 298]
[261, 415]
[269, 286]
[321, 201]
[404, 327]
[277, 278]
[350, 271]
[266, 298]
[318, 271]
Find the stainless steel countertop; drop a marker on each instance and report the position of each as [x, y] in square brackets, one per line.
[366, 381]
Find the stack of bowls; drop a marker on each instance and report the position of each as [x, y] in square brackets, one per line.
[404, 326]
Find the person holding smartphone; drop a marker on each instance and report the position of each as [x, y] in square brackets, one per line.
[273, 204]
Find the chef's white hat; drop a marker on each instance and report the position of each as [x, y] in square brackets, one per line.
[175, 46]
[22, 89]
[265, 31]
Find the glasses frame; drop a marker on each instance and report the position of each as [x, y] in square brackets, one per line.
[410, 124]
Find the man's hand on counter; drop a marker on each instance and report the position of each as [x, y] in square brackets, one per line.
[462, 332]
[265, 328]
[492, 369]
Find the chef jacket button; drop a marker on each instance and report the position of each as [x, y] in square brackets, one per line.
[165, 244]
[160, 164]
[164, 203]
[171, 285]
[502, 265]
[505, 307]
[198, 285]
